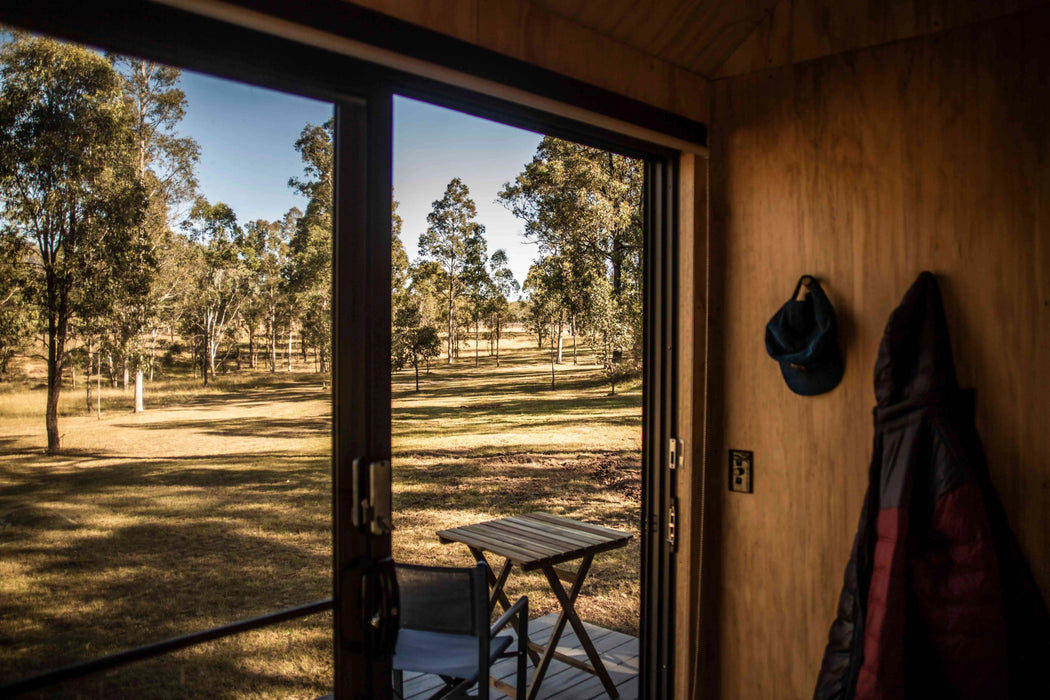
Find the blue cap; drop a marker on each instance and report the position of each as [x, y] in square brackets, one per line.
[803, 337]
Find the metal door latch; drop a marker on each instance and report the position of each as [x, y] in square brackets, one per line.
[672, 524]
[674, 453]
[374, 508]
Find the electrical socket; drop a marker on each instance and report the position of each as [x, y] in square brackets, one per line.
[741, 471]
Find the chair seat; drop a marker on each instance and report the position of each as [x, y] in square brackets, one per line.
[454, 655]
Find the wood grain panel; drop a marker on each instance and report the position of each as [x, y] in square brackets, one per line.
[530, 32]
[864, 169]
[802, 30]
[692, 373]
[698, 35]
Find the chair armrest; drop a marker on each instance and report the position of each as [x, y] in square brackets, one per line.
[521, 607]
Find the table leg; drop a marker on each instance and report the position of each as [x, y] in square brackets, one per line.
[568, 614]
[497, 594]
[568, 603]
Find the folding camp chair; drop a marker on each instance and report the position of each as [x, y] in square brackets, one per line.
[445, 630]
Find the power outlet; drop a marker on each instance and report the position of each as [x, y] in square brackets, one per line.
[741, 471]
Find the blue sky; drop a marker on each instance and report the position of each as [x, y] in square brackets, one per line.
[247, 138]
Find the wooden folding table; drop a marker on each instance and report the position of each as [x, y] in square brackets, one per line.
[541, 541]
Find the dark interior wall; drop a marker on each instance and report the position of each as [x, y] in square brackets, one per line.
[864, 169]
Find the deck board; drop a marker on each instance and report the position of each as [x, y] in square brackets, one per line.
[619, 653]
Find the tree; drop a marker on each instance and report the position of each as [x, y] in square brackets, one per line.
[414, 342]
[165, 164]
[310, 271]
[583, 207]
[544, 302]
[608, 325]
[504, 287]
[219, 290]
[68, 183]
[477, 284]
[449, 225]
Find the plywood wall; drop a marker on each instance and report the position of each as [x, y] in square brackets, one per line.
[864, 169]
[531, 33]
[802, 30]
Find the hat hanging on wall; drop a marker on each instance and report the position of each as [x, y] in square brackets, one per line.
[803, 337]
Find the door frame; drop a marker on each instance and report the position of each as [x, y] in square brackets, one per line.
[363, 93]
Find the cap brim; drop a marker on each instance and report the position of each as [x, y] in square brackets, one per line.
[816, 380]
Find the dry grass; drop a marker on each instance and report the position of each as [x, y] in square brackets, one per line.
[215, 505]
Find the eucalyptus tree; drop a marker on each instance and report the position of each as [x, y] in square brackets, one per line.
[450, 227]
[310, 269]
[68, 184]
[544, 302]
[218, 292]
[504, 286]
[414, 341]
[165, 162]
[477, 285]
[583, 207]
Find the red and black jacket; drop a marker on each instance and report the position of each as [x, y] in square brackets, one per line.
[938, 601]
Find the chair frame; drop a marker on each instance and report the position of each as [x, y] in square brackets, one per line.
[458, 687]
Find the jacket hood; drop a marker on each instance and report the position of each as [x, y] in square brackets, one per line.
[915, 357]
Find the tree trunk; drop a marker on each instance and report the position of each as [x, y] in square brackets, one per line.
[205, 355]
[560, 339]
[87, 375]
[574, 346]
[497, 343]
[273, 344]
[98, 388]
[552, 358]
[251, 348]
[417, 375]
[125, 373]
[153, 353]
[138, 392]
[289, 347]
[56, 347]
[475, 343]
[450, 314]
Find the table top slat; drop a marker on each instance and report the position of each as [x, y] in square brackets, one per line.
[561, 551]
[564, 537]
[578, 525]
[511, 532]
[562, 530]
[481, 541]
[503, 531]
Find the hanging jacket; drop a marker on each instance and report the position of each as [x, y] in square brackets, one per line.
[938, 601]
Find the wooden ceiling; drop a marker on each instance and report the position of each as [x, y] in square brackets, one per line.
[698, 35]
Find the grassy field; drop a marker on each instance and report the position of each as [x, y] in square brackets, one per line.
[214, 505]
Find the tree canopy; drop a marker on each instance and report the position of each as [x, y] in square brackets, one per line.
[68, 184]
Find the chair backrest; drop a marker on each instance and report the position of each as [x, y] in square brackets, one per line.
[444, 599]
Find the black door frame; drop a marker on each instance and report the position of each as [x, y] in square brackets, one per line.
[363, 94]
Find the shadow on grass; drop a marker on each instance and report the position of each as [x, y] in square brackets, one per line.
[284, 428]
[133, 551]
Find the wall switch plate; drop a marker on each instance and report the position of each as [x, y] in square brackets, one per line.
[741, 471]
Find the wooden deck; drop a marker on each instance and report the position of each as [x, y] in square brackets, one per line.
[619, 652]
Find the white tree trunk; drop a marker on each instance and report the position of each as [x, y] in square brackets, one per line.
[138, 392]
